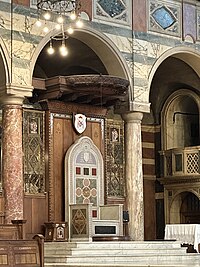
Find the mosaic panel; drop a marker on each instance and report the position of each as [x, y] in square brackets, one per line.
[86, 191]
[115, 159]
[33, 149]
[165, 17]
[114, 11]
[79, 222]
[86, 177]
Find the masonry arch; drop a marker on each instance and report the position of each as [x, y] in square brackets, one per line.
[5, 66]
[180, 120]
[189, 55]
[101, 45]
[182, 208]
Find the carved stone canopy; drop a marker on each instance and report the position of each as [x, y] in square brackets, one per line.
[99, 90]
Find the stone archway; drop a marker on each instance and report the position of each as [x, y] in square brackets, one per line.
[188, 55]
[180, 120]
[108, 53]
[5, 67]
[185, 208]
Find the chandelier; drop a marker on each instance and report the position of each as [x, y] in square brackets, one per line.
[61, 13]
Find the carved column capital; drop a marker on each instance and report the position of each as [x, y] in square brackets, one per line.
[14, 94]
[132, 117]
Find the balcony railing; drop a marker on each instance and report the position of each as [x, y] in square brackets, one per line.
[180, 162]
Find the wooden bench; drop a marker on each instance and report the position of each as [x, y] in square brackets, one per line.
[24, 253]
[14, 230]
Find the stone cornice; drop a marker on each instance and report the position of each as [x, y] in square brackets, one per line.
[11, 94]
[140, 107]
[180, 180]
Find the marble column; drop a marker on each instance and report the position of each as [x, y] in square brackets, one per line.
[12, 162]
[134, 175]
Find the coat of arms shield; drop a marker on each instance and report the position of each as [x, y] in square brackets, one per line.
[80, 123]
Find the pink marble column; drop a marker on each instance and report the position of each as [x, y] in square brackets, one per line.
[12, 164]
[134, 175]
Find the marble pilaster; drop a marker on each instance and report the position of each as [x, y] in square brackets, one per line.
[12, 162]
[134, 175]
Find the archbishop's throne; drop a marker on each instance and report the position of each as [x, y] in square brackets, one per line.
[85, 212]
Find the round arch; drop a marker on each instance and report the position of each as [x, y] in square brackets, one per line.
[105, 49]
[5, 65]
[165, 110]
[189, 55]
[175, 205]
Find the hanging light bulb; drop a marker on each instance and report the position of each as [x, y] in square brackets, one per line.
[47, 15]
[70, 30]
[38, 23]
[50, 50]
[58, 26]
[73, 15]
[60, 19]
[79, 23]
[45, 29]
[63, 49]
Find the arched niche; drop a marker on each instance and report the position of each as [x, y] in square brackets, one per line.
[185, 208]
[180, 120]
[84, 175]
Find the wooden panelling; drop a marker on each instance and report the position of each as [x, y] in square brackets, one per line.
[35, 212]
[58, 154]
[22, 253]
[64, 135]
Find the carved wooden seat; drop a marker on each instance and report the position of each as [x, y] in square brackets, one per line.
[12, 231]
[24, 253]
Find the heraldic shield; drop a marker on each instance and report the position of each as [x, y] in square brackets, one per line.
[80, 123]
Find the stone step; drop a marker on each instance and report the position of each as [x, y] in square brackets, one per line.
[115, 245]
[116, 265]
[94, 254]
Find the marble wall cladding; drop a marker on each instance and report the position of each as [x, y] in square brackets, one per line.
[12, 162]
[198, 24]
[165, 17]
[189, 22]
[140, 49]
[134, 182]
[113, 11]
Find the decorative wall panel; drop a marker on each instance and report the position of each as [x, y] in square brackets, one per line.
[198, 24]
[114, 11]
[33, 149]
[115, 159]
[165, 17]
